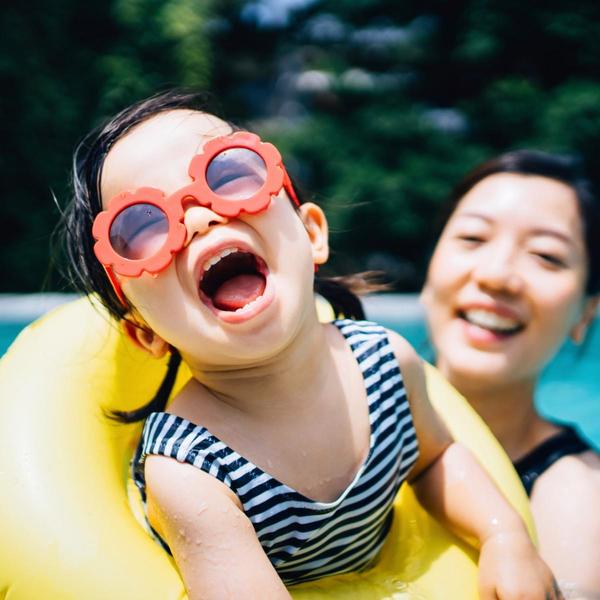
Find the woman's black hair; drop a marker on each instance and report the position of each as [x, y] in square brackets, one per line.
[566, 169]
[87, 275]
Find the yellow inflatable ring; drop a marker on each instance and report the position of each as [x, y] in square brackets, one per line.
[67, 531]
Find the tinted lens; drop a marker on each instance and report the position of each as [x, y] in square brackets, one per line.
[139, 231]
[236, 174]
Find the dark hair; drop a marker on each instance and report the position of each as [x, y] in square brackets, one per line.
[566, 169]
[87, 275]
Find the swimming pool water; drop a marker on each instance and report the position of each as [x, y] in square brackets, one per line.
[8, 332]
[569, 390]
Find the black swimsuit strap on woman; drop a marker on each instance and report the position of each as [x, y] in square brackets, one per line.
[541, 458]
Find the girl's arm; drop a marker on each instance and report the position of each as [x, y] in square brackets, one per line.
[453, 487]
[212, 540]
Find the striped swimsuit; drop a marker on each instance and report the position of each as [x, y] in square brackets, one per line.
[305, 539]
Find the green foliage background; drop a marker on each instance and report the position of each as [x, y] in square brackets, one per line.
[378, 107]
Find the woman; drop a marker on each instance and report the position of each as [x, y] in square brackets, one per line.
[515, 272]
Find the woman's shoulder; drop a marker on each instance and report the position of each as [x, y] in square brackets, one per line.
[564, 441]
[575, 477]
[565, 504]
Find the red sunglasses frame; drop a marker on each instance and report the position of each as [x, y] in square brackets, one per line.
[172, 206]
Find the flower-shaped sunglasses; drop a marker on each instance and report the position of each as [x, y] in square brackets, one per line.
[142, 230]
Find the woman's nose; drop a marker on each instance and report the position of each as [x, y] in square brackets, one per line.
[497, 271]
[199, 219]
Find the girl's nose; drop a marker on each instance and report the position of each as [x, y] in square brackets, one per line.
[497, 272]
[199, 219]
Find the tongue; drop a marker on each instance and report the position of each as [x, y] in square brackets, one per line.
[238, 291]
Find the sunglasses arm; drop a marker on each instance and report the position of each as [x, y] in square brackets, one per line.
[116, 286]
[289, 188]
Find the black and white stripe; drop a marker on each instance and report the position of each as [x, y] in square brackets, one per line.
[305, 539]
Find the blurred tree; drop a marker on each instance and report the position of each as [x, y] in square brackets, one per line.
[65, 66]
[378, 106]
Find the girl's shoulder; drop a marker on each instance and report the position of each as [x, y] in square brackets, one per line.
[354, 326]
[364, 329]
[369, 332]
[191, 402]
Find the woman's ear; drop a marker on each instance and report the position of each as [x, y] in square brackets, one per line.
[579, 331]
[426, 295]
[315, 224]
[145, 338]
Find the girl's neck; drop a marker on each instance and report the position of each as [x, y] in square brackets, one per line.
[279, 383]
[509, 411]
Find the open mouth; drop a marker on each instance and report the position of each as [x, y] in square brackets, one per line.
[233, 279]
[492, 321]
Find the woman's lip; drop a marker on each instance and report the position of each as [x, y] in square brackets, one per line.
[500, 310]
[482, 338]
[488, 326]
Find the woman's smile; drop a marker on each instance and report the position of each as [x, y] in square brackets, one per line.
[486, 326]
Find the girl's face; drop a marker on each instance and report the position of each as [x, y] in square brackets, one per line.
[239, 289]
[506, 282]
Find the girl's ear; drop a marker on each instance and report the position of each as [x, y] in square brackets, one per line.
[145, 338]
[315, 224]
[588, 313]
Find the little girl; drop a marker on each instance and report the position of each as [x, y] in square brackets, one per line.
[280, 459]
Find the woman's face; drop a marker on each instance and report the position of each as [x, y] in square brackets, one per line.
[506, 282]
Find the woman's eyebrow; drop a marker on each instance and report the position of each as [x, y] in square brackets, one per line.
[545, 231]
[475, 215]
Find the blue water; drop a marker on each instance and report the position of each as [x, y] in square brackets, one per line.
[8, 332]
[570, 386]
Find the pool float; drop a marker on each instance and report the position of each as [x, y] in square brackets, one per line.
[70, 531]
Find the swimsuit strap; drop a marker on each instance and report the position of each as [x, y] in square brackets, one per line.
[542, 457]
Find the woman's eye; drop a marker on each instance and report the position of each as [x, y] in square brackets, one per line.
[550, 259]
[471, 239]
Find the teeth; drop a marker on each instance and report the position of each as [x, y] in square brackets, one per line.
[491, 320]
[247, 306]
[211, 262]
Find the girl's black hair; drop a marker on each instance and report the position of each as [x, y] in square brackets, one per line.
[87, 275]
[566, 169]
